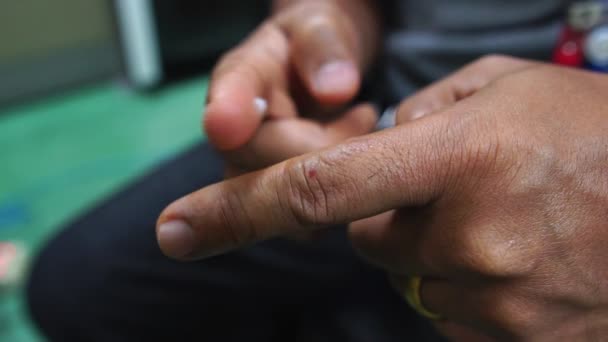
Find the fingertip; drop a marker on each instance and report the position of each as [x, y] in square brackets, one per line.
[176, 239]
[174, 235]
[230, 124]
[236, 108]
[336, 82]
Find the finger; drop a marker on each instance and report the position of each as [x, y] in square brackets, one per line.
[358, 121]
[240, 87]
[489, 309]
[433, 241]
[357, 179]
[394, 243]
[325, 53]
[458, 86]
[281, 104]
[437, 296]
[395, 250]
[279, 140]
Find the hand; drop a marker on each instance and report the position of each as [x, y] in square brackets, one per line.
[500, 200]
[277, 95]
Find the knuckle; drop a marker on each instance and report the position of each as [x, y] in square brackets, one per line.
[483, 157]
[447, 149]
[479, 257]
[487, 253]
[307, 196]
[234, 218]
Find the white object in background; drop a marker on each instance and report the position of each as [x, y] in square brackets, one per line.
[388, 119]
[261, 106]
[137, 25]
[596, 47]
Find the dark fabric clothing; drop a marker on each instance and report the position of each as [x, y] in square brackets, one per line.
[105, 279]
[426, 40]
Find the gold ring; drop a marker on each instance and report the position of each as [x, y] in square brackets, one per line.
[412, 295]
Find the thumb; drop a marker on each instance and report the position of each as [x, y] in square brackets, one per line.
[403, 166]
[325, 55]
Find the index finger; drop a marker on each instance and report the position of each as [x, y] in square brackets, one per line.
[363, 177]
[240, 86]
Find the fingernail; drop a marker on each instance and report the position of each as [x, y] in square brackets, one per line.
[418, 113]
[337, 76]
[261, 106]
[176, 239]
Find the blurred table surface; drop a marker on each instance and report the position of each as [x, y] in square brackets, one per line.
[62, 155]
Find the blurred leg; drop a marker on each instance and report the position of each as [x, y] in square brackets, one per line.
[103, 278]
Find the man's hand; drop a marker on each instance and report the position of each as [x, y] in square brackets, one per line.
[499, 200]
[305, 60]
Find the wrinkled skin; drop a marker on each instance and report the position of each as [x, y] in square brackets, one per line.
[305, 63]
[493, 187]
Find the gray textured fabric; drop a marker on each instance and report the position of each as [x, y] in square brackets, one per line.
[431, 38]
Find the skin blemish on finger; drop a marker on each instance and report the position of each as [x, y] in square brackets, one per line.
[312, 173]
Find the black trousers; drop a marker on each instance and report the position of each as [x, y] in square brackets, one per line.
[103, 278]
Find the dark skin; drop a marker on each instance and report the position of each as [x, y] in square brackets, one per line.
[306, 61]
[493, 187]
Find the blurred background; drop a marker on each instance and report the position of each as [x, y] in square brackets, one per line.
[93, 94]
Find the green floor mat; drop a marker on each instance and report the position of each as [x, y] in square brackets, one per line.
[63, 155]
